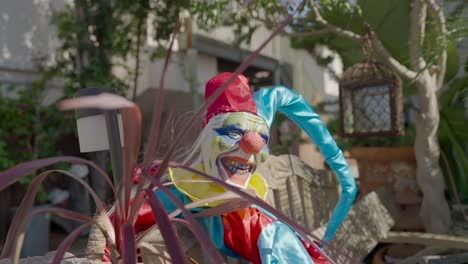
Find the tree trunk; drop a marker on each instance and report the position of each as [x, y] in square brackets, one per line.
[435, 211]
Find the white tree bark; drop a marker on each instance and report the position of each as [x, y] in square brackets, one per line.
[435, 211]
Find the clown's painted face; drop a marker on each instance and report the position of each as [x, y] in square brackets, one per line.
[237, 143]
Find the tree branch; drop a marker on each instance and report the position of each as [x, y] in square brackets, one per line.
[332, 28]
[315, 33]
[437, 14]
[401, 69]
[417, 30]
[376, 44]
[309, 32]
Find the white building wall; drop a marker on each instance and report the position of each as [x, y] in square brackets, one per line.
[309, 78]
[205, 68]
[26, 36]
[25, 32]
[174, 79]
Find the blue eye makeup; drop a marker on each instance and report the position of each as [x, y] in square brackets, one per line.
[232, 132]
[265, 138]
[236, 133]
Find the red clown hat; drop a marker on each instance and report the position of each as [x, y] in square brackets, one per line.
[235, 98]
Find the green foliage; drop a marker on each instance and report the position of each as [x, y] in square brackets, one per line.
[88, 42]
[98, 36]
[29, 129]
[212, 13]
[453, 134]
[244, 19]
[95, 38]
[390, 20]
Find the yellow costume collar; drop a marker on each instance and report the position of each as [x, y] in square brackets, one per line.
[202, 190]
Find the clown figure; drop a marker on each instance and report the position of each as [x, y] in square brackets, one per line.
[231, 146]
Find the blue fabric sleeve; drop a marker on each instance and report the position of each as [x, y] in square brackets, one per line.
[296, 108]
[278, 243]
[212, 225]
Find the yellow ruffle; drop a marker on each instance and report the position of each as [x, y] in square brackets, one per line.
[202, 190]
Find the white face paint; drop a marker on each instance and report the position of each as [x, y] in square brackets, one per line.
[236, 145]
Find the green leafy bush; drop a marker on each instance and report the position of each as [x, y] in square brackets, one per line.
[29, 130]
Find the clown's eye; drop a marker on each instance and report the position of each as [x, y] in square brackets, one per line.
[230, 131]
[234, 134]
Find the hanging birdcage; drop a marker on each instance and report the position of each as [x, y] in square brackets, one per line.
[370, 99]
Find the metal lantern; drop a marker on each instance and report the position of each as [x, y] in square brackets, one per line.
[370, 101]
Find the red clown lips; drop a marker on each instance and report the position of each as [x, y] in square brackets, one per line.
[237, 169]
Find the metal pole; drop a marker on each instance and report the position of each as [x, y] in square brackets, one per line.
[115, 149]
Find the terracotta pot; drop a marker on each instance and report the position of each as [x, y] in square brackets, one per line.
[393, 168]
[383, 153]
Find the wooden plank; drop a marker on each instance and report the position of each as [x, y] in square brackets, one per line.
[291, 196]
[305, 212]
[306, 195]
[434, 240]
[415, 259]
[277, 199]
[450, 259]
[368, 221]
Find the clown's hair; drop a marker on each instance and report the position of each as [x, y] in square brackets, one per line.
[194, 155]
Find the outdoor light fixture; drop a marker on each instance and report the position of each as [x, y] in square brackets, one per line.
[92, 124]
[101, 130]
[370, 101]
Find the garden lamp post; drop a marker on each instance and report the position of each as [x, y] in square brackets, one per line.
[100, 130]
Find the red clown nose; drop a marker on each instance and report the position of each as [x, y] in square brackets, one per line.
[235, 98]
[251, 143]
